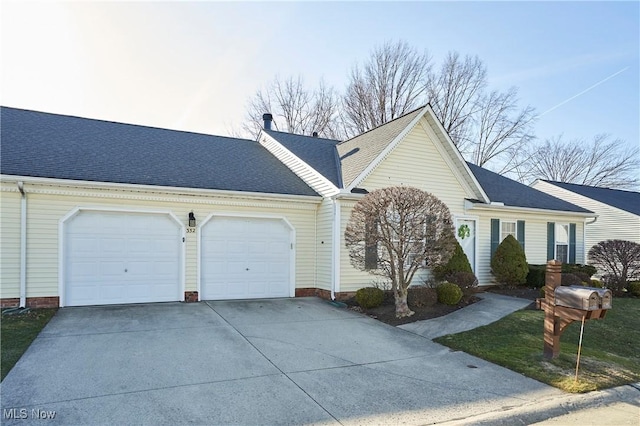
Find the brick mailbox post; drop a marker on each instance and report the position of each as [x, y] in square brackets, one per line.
[564, 305]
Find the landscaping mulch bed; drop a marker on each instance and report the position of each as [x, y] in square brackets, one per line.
[422, 300]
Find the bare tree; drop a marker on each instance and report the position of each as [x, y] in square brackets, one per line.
[603, 162]
[499, 131]
[453, 93]
[295, 108]
[618, 261]
[389, 84]
[487, 127]
[393, 232]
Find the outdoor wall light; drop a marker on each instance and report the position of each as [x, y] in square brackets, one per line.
[192, 220]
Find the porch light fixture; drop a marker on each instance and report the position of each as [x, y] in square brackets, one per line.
[192, 220]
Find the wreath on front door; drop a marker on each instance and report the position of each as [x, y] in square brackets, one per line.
[464, 231]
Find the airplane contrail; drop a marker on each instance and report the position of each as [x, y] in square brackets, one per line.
[583, 92]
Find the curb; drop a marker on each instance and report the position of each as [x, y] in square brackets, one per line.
[538, 411]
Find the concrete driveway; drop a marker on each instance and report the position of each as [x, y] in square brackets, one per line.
[288, 361]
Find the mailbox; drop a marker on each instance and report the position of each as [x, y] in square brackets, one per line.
[583, 298]
[605, 298]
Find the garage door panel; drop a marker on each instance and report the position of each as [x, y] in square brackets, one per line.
[237, 263]
[119, 257]
[257, 247]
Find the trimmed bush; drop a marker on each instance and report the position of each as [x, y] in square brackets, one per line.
[634, 288]
[596, 283]
[449, 293]
[575, 268]
[570, 279]
[584, 278]
[509, 263]
[467, 281]
[369, 297]
[536, 276]
[457, 263]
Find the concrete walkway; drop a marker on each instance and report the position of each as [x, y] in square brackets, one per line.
[491, 308]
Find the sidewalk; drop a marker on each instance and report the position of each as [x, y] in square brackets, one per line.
[611, 407]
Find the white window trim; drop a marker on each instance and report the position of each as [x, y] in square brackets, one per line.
[515, 223]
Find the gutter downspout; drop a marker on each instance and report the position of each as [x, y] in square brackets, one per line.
[335, 245]
[584, 238]
[23, 245]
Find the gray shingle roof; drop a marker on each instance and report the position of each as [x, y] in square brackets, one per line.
[63, 147]
[628, 201]
[357, 153]
[319, 153]
[515, 194]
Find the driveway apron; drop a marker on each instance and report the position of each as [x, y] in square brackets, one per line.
[278, 361]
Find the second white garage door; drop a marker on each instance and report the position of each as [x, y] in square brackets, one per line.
[245, 258]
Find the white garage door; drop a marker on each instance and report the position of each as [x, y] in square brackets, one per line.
[245, 258]
[115, 257]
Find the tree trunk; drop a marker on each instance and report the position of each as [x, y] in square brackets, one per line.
[402, 309]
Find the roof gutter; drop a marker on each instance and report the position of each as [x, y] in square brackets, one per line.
[468, 205]
[314, 199]
[23, 245]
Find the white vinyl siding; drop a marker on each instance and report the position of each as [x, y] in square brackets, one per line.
[612, 223]
[536, 237]
[10, 244]
[418, 163]
[48, 204]
[324, 244]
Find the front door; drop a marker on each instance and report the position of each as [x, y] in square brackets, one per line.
[466, 235]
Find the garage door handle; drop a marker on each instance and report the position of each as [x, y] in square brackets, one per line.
[125, 270]
[247, 269]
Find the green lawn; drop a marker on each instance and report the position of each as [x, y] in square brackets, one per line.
[17, 333]
[610, 348]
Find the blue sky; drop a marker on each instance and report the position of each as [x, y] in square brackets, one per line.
[193, 66]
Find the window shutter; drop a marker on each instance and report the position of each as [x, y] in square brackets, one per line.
[551, 240]
[520, 233]
[495, 235]
[572, 243]
[371, 250]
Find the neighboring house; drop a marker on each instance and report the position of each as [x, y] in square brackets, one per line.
[618, 211]
[95, 212]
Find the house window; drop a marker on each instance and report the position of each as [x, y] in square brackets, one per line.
[508, 228]
[562, 242]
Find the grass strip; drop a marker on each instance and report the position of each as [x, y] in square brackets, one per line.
[610, 348]
[17, 331]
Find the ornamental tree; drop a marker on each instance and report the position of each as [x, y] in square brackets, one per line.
[393, 232]
[618, 261]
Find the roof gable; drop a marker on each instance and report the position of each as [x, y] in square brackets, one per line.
[63, 147]
[515, 194]
[360, 153]
[628, 201]
[319, 153]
